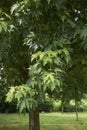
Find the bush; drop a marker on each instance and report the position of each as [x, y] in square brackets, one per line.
[8, 108]
[55, 105]
[45, 106]
[70, 108]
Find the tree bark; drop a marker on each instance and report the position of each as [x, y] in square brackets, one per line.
[34, 122]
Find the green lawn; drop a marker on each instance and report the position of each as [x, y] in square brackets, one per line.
[48, 121]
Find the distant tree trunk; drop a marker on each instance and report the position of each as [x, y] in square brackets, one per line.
[62, 108]
[76, 109]
[34, 122]
[62, 105]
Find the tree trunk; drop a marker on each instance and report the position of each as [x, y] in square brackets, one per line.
[76, 109]
[62, 108]
[62, 105]
[34, 123]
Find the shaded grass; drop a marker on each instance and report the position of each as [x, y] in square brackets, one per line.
[48, 121]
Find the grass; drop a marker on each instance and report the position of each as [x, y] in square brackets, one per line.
[48, 121]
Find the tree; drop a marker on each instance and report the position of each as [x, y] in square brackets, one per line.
[32, 23]
[44, 30]
[76, 80]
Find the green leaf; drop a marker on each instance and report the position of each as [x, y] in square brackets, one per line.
[48, 1]
[47, 60]
[83, 33]
[9, 97]
[36, 55]
[53, 86]
[10, 94]
[7, 16]
[3, 26]
[14, 7]
[27, 103]
[0, 28]
[58, 70]
[18, 95]
[22, 105]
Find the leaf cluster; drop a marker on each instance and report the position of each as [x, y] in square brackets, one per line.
[23, 96]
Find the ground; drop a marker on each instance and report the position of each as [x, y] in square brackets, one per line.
[48, 121]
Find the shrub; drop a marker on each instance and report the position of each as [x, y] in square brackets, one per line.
[45, 106]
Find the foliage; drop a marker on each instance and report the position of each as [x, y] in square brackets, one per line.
[40, 36]
[48, 48]
[24, 96]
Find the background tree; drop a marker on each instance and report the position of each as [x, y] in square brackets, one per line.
[76, 79]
